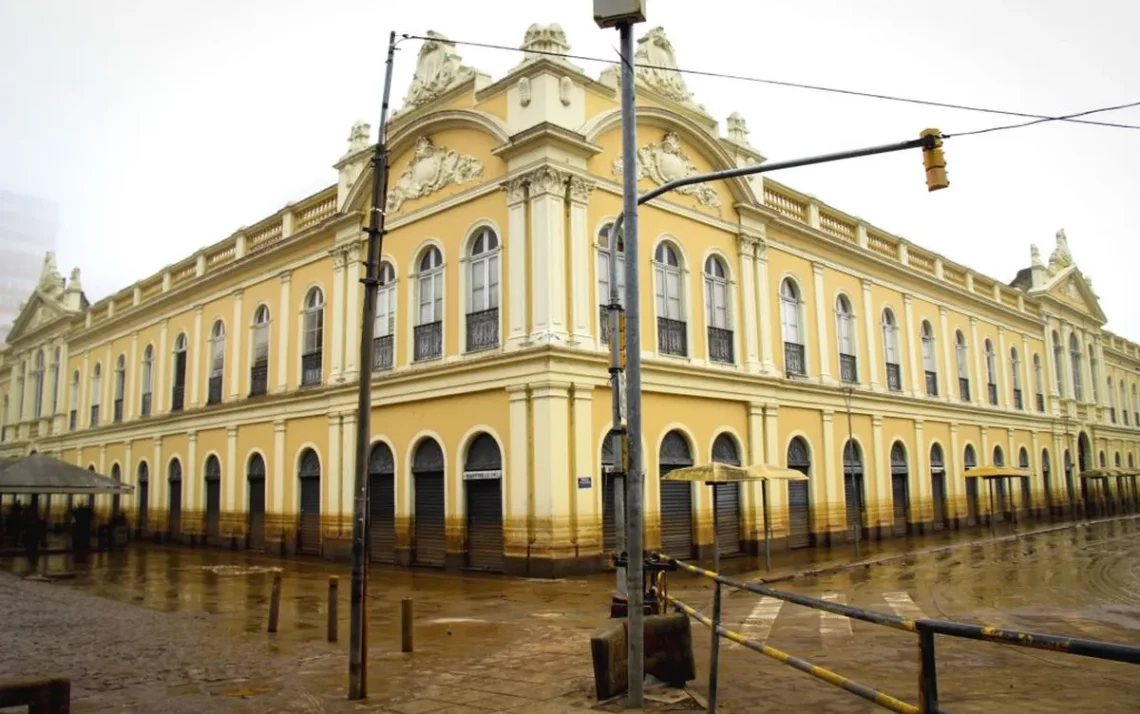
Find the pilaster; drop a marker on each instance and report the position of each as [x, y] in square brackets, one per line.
[917, 387]
[1005, 369]
[191, 508]
[276, 487]
[129, 475]
[195, 366]
[132, 377]
[235, 360]
[883, 514]
[338, 311]
[829, 478]
[348, 473]
[156, 491]
[548, 246]
[1067, 363]
[746, 252]
[518, 322]
[949, 368]
[550, 424]
[754, 528]
[353, 307]
[581, 289]
[955, 481]
[869, 323]
[772, 456]
[821, 323]
[107, 386]
[332, 480]
[516, 526]
[1028, 378]
[284, 318]
[233, 473]
[586, 518]
[764, 307]
[162, 357]
[979, 351]
[922, 508]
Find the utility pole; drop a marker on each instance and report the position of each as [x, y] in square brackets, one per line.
[358, 629]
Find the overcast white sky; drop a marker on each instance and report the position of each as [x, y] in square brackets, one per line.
[162, 126]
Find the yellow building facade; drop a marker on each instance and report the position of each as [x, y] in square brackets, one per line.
[777, 328]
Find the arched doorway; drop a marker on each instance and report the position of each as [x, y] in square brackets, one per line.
[854, 495]
[174, 506]
[428, 493]
[116, 499]
[255, 523]
[676, 497]
[1026, 504]
[938, 486]
[213, 477]
[309, 532]
[381, 504]
[609, 497]
[970, 461]
[483, 484]
[799, 496]
[1047, 481]
[727, 504]
[900, 488]
[143, 496]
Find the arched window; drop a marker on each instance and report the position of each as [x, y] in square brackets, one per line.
[96, 390]
[38, 386]
[313, 338]
[1102, 461]
[991, 372]
[1111, 394]
[791, 322]
[671, 328]
[1116, 460]
[384, 329]
[73, 401]
[1058, 360]
[999, 456]
[1123, 403]
[429, 287]
[1038, 383]
[178, 384]
[1015, 377]
[929, 361]
[259, 356]
[845, 335]
[963, 358]
[603, 268]
[217, 362]
[1093, 372]
[969, 457]
[147, 385]
[483, 292]
[55, 367]
[1075, 358]
[120, 387]
[891, 350]
[719, 316]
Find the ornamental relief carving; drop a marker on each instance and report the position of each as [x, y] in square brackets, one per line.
[438, 68]
[431, 169]
[666, 161]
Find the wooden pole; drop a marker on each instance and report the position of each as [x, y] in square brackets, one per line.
[275, 603]
[334, 584]
[406, 629]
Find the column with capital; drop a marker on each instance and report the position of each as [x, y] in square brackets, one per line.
[1037, 482]
[777, 497]
[333, 482]
[284, 318]
[950, 368]
[338, 314]
[548, 254]
[821, 322]
[824, 494]
[107, 411]
[84, 392]
[348, 473]
[882, 515]
[157, 514]
[234, 378]
[191, 509]
[581, 291]
[1005, 372]
[584, 513]
[129, 476]
[917, 384]
[1028, 376]
[922, 506]
[232, 524]
[954, 480]
[516, 523]
[979, 364]
[754, 523]
[764, 307]
[161, 357]
[518, 307]
[353, 310]
[133, 375]
[746, 251]
[196, 349]
[1051, 366]
[869, 323]
[551, 549]
[276, 519]
[1069, 387]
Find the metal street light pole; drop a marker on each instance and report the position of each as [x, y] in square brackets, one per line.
[358, 631]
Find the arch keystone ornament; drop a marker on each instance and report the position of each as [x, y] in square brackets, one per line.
[667, 161]
[431, 169]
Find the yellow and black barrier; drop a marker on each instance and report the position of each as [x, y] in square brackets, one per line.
[925, 629]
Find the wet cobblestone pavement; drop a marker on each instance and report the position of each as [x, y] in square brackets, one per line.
[169, 630]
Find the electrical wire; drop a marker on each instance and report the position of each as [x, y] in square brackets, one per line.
[1019, 125]
[1036, 118]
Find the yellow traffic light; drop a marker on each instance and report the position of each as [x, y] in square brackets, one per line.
[621, 339]
[934, 160]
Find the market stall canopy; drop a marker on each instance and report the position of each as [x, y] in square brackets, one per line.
[726, 473]
[998, 472]
[1098, 473]
[39, 473]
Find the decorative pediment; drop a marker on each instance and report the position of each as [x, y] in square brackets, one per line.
[49, 301]
[439, 68]
[667, 161]
[1074, 289]
[656, 65]
[431, 169]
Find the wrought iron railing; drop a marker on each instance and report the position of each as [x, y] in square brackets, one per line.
[1040, 402]
[259, 378]
[931, 383]
[144, 407]
[894, 377]
[794, 361]
[382, 353]
[95, 415]
[312, 368]
[428, 341]
[214, 390]
[964, 388]
[720, 345]
[848, 368]
[991, 389]
[672, 338]
[1017, 402]
[177, 397]
[118, 407]
[483, 329]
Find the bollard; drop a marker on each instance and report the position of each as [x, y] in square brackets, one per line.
[406, 625]
[275, 603]
[333, 583]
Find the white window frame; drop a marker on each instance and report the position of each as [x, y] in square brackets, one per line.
[929, 348]
[845, 327]
[1059, 363]
[217, 349]
[486, 265]
[147, 377]
[1075, 359]
[792, 314]
[313, 323]
[991, 362]
[96, 385]
[386, 301]
[663, 294]
[962, 354]
[1015, 371]
[260, 334]
[718, 288]
[55, 368]
[432, 276]
[890, 324]
[120, 388]
[38, 385]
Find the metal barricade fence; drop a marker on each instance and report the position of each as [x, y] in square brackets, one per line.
[925, 629]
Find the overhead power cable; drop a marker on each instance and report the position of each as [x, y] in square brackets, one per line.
[1036, 118]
